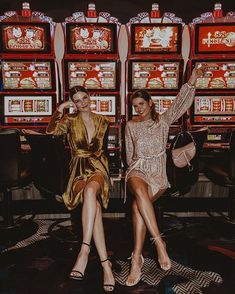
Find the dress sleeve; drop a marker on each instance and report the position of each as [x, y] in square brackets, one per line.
[129, 144]
[181, 103]
[59, 124]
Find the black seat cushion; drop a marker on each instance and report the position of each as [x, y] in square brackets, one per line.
[219, 175]
[50, 162]
[14, 171]
[182, 179]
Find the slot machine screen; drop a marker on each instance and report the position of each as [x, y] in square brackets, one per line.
[220, 75]
[27, 75]
[215, 38]
[213, 109]
[25, 38]
[156, 38]
[155, 75]
[93, 75]
[24, 109]
[91, 38]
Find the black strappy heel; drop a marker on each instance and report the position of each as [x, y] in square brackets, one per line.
[77, 275]
[110, 286]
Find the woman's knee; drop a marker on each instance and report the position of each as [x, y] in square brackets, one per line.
[90, 192]
[141, 193]
[138, 187]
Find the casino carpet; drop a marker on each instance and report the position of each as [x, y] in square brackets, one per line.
[39, 264]
[152, 275]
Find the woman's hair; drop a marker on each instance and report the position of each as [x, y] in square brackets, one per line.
[76, 89]
[147, 97]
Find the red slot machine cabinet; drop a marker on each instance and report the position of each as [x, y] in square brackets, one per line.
[155, 61]
[29, 83]
[91, 60]
[213, 43]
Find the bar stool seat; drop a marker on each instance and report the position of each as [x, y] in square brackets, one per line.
[50, 162]
[181, 179]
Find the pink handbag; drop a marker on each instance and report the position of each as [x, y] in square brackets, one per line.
[183, 155]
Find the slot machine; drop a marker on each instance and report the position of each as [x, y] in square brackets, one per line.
[29, 82]
[213, 43]
[91, 60]
[155, 61]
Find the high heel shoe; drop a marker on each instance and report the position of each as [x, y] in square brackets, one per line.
[136, 272]
[108, 287]
[161, 245]
[75, 274]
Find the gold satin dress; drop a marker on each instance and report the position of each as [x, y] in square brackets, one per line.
[88, 160]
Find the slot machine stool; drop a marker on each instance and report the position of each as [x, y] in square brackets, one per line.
[50, 162]
[223, 174]
[15, 173]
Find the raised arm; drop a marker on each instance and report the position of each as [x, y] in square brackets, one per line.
[129, 144]
[184, 99]
[59, 123]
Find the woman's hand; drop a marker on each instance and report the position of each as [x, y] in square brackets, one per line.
[65, 105]
[30, 132]
[197, 73]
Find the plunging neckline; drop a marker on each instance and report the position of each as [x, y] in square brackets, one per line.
[86, 132]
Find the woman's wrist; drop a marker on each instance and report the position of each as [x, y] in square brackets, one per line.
[60, 110]
[191, 84]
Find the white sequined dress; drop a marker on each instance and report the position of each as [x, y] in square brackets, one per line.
[146, 142]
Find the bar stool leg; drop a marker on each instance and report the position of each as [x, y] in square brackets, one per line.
[7, 204]
[231, 205]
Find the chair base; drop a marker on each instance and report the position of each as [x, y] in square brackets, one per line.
[23, 229]
[63, 232]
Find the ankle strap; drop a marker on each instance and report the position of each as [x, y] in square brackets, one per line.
[105, 260]
[156, 239]
[84, 243]
[133, 256]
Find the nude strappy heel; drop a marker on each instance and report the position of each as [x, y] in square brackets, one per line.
[136, 281]
[157, 240]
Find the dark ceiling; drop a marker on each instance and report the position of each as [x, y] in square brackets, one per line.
[122, 9]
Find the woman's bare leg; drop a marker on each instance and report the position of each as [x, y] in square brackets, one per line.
[139, 230]
[99, 239]
[89, 210]
[146, 210]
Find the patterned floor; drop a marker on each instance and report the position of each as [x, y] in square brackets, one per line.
[152, 275]
[186, 280]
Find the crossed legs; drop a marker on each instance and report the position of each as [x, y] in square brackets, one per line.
[92, 225]
[143, 216]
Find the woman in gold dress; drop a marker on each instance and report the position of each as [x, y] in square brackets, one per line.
[146, 139]
[89, 177]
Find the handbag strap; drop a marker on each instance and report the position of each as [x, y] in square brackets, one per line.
[178, 136]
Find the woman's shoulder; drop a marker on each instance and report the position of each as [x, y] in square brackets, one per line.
[131, 123]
